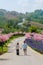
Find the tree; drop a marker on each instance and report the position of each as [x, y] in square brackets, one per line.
[34, 29]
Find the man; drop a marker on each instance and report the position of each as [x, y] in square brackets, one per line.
[24, 46]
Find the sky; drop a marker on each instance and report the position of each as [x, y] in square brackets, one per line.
[21, 5]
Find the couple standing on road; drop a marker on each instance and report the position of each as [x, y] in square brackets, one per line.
[24, 46]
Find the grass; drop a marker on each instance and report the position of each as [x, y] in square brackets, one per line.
[3, 50]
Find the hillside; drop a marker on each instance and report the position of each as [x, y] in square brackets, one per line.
[39, 25]
[36, 16]
[10, 14]
[9, 20]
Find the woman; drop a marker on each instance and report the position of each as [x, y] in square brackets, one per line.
[17, 48]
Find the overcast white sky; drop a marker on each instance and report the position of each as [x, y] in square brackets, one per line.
[21, 5]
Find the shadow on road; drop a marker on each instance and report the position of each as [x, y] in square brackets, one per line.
[23, 55]
[3, 59]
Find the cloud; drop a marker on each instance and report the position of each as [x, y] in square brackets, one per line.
[21, 5]
[30, 5]
[35, 4]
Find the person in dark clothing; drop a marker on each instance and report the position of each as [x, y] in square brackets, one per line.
[17, 49]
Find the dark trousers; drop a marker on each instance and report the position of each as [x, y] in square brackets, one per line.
[17, 51]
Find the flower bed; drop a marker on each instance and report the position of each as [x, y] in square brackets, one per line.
[35, 41]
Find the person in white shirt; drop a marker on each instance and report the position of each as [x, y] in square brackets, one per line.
[17, 49]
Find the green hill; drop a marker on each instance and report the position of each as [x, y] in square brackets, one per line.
[36, 16]
[9, 20]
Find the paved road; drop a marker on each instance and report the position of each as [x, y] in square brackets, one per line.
[10, 58]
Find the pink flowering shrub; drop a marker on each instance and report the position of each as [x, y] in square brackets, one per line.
[5, 37]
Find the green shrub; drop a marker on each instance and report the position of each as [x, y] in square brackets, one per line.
[34, 29]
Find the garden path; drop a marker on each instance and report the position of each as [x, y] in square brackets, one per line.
[10, 58]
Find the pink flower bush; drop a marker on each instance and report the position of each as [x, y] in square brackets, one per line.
[35, 36]
[28, 35]
[38, 37]
[5, 37]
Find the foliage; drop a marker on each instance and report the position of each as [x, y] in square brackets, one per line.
[34, 29]
[36, 16]
[9, 20]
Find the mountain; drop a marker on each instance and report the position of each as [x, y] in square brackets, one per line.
[2, 12]
[36, 16]
[9, 20]
[10, 14]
